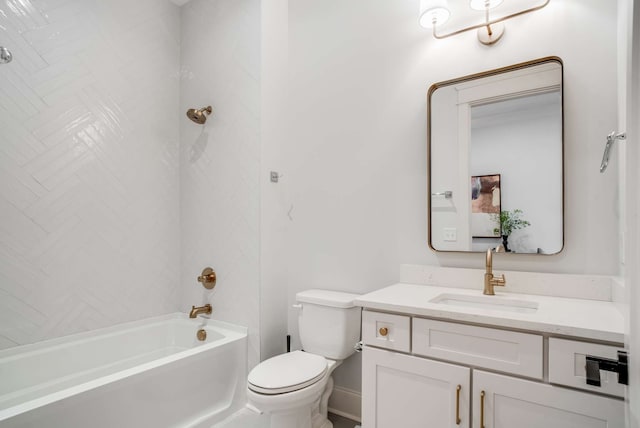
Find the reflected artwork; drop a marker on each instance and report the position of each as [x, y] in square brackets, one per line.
[485, 201]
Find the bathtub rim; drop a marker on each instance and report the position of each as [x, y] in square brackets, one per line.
[233, 333]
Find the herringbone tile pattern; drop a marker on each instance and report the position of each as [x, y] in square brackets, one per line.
[89, 180]
[220, 162]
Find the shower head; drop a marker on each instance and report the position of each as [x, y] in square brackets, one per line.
[199, 116]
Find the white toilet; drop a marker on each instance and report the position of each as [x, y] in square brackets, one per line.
[294, 388]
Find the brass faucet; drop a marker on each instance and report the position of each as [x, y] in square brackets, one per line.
[206, 309]
[489, 280]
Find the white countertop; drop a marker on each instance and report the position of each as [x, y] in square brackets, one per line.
[587, 319]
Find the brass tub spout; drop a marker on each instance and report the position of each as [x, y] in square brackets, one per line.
[195, 311]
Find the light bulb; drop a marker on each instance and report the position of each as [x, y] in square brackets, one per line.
[433, 12]
[484, 4]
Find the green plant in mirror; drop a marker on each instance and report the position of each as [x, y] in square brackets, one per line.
[509, 221]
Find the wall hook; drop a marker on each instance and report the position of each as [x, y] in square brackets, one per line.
[611, 138]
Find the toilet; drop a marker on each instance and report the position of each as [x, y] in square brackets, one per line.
[294, 388]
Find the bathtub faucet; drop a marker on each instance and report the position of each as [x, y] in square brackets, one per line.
[206, 309]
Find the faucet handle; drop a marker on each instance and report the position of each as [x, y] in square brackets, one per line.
[502, 281]
[208, 278]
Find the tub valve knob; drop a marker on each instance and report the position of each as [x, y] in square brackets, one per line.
[208, 278]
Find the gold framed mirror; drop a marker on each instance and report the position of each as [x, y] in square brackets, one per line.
[495, 147]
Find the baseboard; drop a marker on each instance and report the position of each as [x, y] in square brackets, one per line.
[347, 403]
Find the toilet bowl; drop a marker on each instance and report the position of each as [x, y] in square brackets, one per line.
[294, 388]
[299, 397]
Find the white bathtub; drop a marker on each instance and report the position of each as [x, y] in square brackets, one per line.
[149, 373]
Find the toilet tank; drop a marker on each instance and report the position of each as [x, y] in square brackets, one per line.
[329, 322]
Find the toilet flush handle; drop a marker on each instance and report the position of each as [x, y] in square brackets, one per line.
[297, 306]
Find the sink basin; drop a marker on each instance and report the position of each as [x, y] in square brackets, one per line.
[486, 302]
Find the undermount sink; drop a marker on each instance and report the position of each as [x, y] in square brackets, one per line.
[482, 302]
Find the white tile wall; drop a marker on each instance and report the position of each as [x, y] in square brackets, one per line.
[220, 161]
[89, 230]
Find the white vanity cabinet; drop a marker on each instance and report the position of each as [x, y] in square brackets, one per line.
[507, 402]
[420, 372]
[410, 392]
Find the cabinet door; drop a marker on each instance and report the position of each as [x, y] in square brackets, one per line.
[403, 391]
[510, 402]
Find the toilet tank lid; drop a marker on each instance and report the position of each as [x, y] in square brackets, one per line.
[336, 299]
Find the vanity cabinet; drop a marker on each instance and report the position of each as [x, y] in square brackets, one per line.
[440, 379]
[405, 391]
[507, 402]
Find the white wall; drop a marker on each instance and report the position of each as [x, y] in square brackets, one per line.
[629, 156]
[220, 161]
[88, 165]
[356, 156]
[273, 206]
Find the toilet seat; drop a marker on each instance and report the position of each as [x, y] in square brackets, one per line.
[287, 372]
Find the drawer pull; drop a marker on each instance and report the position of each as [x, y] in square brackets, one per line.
[458, 404]
[383, 331]
[595, 364]
[482, 409]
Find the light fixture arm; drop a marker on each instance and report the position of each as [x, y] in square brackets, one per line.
[488, 22]
[486, 18]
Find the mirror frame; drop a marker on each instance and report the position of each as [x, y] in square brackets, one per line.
[474, 76]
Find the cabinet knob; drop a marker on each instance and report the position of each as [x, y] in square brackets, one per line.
[383, 331]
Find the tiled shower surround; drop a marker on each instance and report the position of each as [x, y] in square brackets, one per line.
[220, 161]
[90, 181]
[89, 176]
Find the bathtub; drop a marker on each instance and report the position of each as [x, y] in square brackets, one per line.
[148, 373]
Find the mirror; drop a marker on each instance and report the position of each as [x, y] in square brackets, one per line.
[495, 160]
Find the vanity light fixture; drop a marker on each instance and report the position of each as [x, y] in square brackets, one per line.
[434, 13]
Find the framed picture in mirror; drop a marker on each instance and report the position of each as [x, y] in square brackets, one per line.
[485, 206]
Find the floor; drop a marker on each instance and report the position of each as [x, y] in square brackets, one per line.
[244, 418]
[341, 422]
[248, 419]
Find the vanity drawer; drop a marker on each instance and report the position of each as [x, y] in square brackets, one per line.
[386, 330]
[506, 351]
[567, 361]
